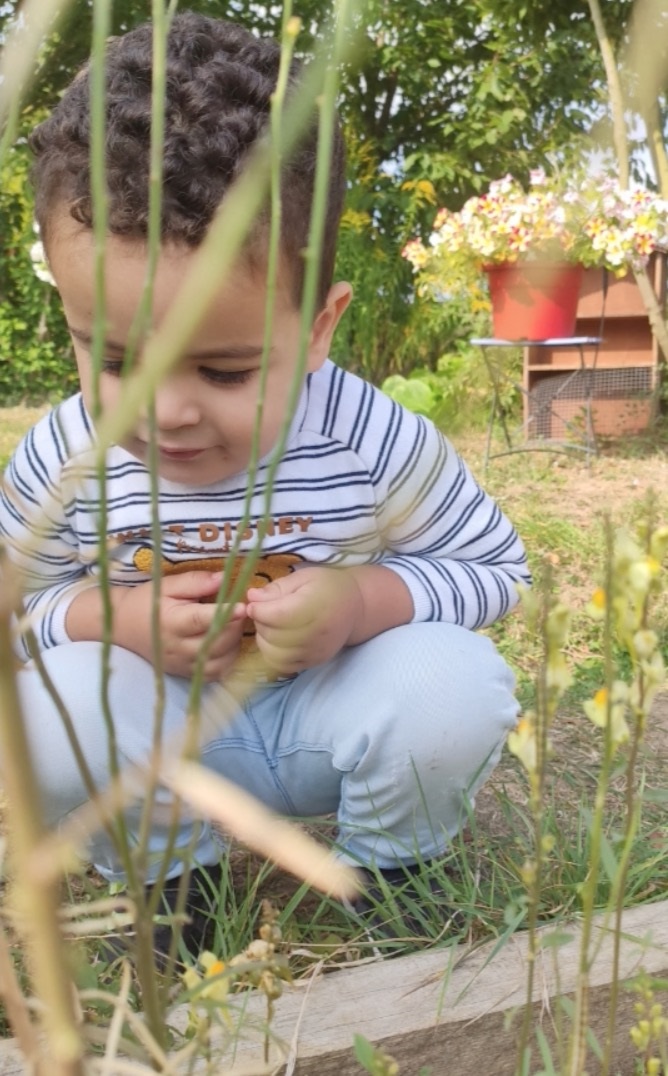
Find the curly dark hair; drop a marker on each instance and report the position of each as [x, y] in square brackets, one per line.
[220, 78]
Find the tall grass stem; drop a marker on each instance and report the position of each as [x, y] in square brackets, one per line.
[38, 900]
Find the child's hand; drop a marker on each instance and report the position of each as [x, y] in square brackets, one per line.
[184, 621]
[305, 618]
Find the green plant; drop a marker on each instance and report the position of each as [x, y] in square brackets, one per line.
[455, 393]
[374, 1060]
[620, 708]
[50, 976]
[35, 350]
[587, 220]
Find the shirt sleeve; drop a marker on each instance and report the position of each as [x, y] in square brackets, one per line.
[457, 553]
[38, 539]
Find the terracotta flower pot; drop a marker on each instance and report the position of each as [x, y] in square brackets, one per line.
[534, 300]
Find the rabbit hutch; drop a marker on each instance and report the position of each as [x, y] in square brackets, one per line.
[612, 385]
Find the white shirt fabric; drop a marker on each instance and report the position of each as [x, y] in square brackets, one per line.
[361, 480]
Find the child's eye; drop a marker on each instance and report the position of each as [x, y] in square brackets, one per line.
[226, 377]
[112, 366]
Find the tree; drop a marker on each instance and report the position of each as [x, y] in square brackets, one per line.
[460, 90]
[442, 96]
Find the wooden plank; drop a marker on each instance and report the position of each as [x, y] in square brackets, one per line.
[627, 342]
[448, 1009]
[623, 294]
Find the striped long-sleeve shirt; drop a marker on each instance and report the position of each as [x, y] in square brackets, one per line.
[361, 481]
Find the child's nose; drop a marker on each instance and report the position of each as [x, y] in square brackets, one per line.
[174, 405]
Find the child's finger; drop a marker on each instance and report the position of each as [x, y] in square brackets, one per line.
[235, 612]
[288, 636]
[191, 586]
[227, 640]
[290, 609]
[278, 588]
[193, 618]
[283, 659]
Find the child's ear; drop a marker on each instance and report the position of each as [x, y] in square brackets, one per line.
[324, 326]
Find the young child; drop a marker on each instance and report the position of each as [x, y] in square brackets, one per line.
[381, 702]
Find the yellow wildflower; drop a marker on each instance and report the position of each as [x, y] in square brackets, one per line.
[609, 709]
[645, 643]
[557, 674]
[522, 744]
[659, 543]
[642, 573]
[213, 984]
[597, 604]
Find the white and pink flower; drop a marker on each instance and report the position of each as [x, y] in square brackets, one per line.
[585, 219]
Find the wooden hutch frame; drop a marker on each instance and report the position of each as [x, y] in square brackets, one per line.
[610, 308]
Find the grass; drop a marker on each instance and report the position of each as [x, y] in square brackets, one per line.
[558, 506]
[14, 421]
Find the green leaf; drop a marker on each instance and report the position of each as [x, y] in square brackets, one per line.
[545, 1052]
[412, 394]
[608, 859]
[555, 939]
[364, 1052]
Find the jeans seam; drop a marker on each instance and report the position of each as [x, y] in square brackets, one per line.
[271, 761]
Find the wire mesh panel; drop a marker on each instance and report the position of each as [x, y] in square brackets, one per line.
[613, 401]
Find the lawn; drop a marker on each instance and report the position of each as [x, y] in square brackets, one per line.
[14, 421]
[559, 504]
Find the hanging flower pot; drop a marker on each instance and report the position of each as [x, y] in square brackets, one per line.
[534, 300]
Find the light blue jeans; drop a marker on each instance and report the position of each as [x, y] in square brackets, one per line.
[395, 736]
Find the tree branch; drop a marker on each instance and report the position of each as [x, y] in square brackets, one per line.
[657, 147]
[615, 93]
[654, 312]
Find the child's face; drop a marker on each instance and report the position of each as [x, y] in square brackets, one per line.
[205, 409]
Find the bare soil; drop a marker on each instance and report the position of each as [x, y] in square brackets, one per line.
[569, 486]
[574, 767]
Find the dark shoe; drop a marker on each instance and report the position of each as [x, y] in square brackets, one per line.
[200, 909]
[196, 925]
[404, 903]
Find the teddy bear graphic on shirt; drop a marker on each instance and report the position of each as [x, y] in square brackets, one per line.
[265, 570]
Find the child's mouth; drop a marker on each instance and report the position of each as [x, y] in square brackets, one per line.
[181, 453]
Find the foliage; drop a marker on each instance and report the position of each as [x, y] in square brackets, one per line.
[483, 878]
[368, 342]
[603, 857]
[454, 395]
[374, 1060]
[587, 220]
[417, 333]
[436, 104]
[523, 76]
[622, 605]
[34, 343]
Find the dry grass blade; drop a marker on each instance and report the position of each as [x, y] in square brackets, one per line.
[15, 1004]
[17, 60]
[123, 1067]
[251, 822]
[38, 903]
[116, 1025]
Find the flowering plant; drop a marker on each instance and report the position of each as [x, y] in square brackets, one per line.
[590, 221]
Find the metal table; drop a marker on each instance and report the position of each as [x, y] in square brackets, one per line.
[584, 436]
